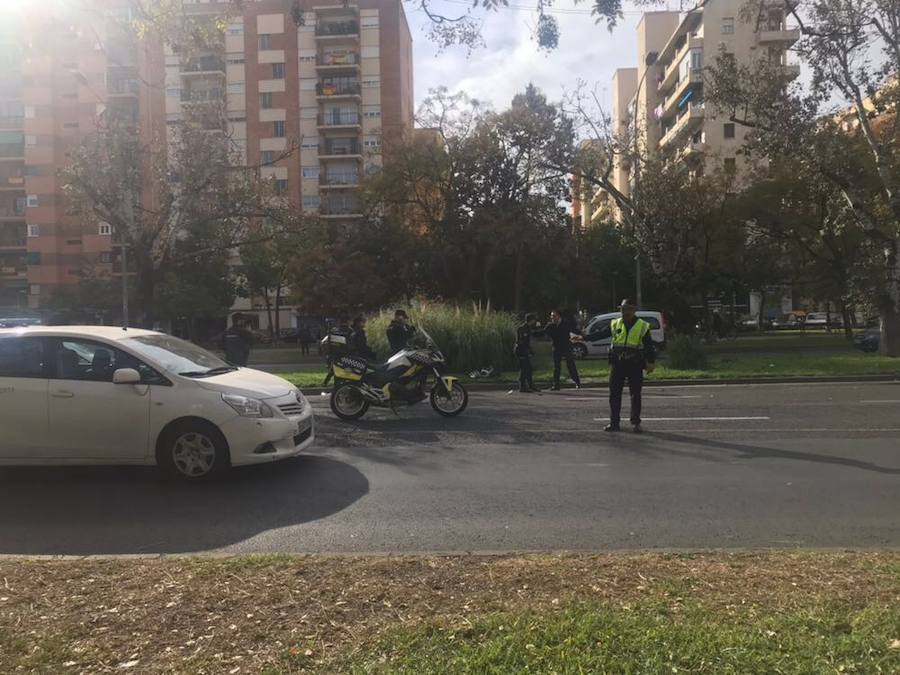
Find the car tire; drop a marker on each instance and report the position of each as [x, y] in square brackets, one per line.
[193, 451]
[579, 351]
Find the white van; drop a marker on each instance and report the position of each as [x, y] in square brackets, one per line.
[102, 395]
[601, 347]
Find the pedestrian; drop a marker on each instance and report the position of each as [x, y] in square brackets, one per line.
[237, 341]
[632, 351]
[304, 337]
[560, 331]
[399, 332]
[359, 343]
[523, 352]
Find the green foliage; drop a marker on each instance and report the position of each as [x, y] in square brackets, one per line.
[686, 353]
[469, 336]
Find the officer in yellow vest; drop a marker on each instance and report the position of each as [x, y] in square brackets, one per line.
[632, 351]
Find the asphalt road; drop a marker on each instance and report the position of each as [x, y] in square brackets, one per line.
[720, 467]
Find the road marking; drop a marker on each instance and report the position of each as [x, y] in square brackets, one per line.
[887, 400]
[690, 419]
[604, 396]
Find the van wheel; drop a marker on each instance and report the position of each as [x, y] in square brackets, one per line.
[579, 351]
[193, 451]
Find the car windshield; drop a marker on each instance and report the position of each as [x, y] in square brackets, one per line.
[178, 356]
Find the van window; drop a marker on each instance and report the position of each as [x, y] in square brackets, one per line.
[22, 357]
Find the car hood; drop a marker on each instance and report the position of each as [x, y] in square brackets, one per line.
[248, 382]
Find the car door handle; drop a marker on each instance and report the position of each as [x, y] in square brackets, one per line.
[62, 394]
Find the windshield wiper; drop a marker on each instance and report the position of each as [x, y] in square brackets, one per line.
[208, 373]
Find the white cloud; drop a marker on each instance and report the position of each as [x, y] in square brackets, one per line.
[511, 59]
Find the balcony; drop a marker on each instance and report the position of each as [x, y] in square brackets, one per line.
[671, 73]
[12, 122]
[12, 211]
[340, 148]
[693, 150]
[206, 65]
[338, 120]
[337, 61]
[340, 208]
[202, 96]
[691, 82]
[338, 89]
[691, 116]
[337, 29]
[339, 179]
[12, 151]
[119, 88]
[784, 36]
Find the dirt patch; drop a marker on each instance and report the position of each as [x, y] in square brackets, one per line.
[297, 614]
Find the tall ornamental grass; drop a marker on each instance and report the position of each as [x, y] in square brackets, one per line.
[470, 337]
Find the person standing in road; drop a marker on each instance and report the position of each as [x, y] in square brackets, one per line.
[359, 343]
[560, 332]
[524, 352]
[304, 338]
[237, 341]
[399, 332]
[632, 351]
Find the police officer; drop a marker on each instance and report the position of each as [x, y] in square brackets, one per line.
[524, 351]
[399, 332]
[560, 332]
[359, 342]
[236, 342]
[632, 351]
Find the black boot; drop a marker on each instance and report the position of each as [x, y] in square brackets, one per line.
[612, 427]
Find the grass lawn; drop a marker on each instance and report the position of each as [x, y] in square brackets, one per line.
[773, 612]
[722, 366]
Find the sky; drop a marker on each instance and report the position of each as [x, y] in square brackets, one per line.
[511, 58]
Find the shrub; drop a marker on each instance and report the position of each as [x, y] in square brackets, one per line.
[470, 337]
[686, 353]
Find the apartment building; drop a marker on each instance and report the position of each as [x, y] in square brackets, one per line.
[313, 97]
[659, 104]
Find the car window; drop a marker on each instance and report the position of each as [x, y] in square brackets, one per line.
[88, 361]
[602, 324]
[653, 321]
[22, 357]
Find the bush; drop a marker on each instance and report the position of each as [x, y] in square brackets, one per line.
[686, 353]
[470, 338]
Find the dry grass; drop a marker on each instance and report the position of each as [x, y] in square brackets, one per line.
[304, 614]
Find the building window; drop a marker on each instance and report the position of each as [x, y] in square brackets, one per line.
[106, 257]
[277, 71]
[104, 229]
[34, 230]
[372, 82]
[729, 130]
[30, 141]
[265, 100]
[70, 125]
[236, 29]
[311, 201]
[730, 166]
[237, 88]
[309, 145]
[727, 25]
[281, 186]
[310, 172]
[279, 130]
[267, 157]
[33, 201]
[235, 60]
[265, 41]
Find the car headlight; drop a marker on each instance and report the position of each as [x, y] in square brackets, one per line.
[301, 399]
[247, 407]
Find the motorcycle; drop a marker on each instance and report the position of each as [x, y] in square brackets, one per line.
[403, 380]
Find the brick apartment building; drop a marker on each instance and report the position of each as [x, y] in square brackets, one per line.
[333, 83]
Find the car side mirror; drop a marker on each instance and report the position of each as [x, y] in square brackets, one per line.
[126, 376]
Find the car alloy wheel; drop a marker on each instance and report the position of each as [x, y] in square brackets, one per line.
[194, 454]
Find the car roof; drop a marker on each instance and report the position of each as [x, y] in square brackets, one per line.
[103, 332]
[640, 312]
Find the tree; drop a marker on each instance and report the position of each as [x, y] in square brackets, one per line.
[853, 50]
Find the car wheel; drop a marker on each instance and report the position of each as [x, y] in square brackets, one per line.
[580, 351]
[193, 451]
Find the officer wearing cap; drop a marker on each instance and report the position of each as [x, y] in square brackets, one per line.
[632, 351]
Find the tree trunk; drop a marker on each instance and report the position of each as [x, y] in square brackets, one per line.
[762, 311]
[847, 320]
[519, 278]
[277, 335]
[268, 308]
[889, 340]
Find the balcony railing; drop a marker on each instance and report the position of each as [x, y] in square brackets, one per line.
[12, 210]
[338, 59]
[337, 119]
[13, 243]
[340, 147]
[337, 89]
[206, 64]
[340, 178]
[340, 207]
[12, 122]
[203, 96]
[337, 28]
[123, 87]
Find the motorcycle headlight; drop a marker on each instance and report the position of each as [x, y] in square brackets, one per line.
[247, 407]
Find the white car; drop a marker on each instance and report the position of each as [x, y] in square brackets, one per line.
[103, 395]
[601, 347]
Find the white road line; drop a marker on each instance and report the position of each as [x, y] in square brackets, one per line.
[895, 400]
[604, 396]
[690, 419]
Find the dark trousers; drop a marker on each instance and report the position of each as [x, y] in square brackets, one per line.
[525, 373]
[304, 348]
[631, 370]
[570, 364]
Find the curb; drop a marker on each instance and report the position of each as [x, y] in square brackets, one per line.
[848, 379]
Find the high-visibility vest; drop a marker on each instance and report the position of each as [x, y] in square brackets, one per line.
[623, 338]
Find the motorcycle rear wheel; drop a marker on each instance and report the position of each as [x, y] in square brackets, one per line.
[452, 405]
[348, 403]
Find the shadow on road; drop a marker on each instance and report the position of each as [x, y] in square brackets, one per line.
[107, 510]
[759, 452]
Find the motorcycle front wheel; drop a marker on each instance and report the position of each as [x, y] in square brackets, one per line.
[348, 403]
[449, 405]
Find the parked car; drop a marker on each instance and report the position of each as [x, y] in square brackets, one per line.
[792, 321]
[601, 347]
[868, 340]
[104, 395]
[823, 320]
